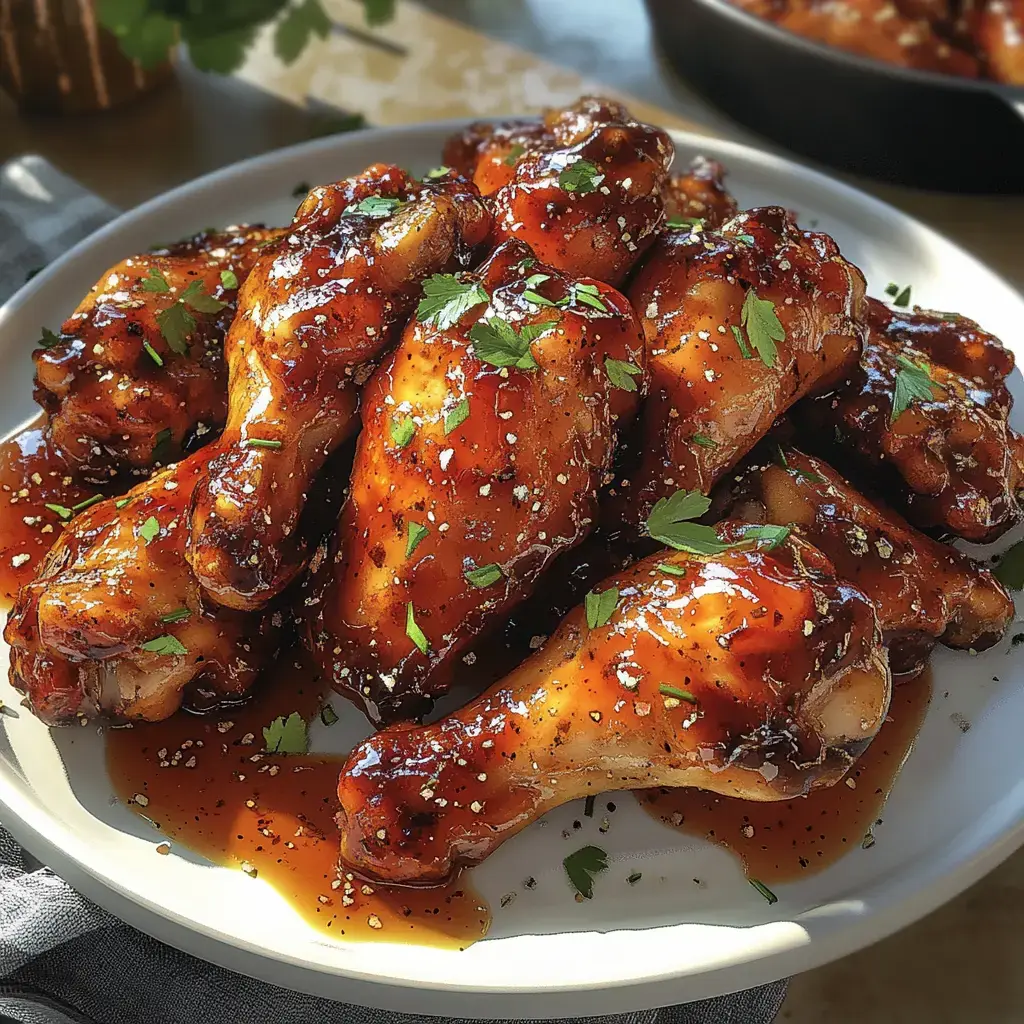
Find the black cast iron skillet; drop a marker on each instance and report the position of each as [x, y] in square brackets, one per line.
[912, 127]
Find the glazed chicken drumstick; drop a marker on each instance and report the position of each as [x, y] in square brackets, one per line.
[739, 324]
[583, 188]
[486, 435]
[922, 590]
[115, 624]
[137, 376]
[322, 304]
[752, 673]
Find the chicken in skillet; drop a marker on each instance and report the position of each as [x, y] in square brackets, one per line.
[322, 304]
[486, 437]
[752, 673]
[940, 440]
[583, 188]
[739, 324]
[136, 376]
[922, 590]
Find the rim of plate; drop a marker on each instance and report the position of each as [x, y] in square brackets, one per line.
[768, 951]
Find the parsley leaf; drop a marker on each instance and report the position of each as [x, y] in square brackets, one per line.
[286, 735]
[913, 381]
[673, 691]
[668, 523]
[764, 891]
[580, 178]
[416, 534]
[581, 867]
[149, 530]
[1010, 570]
[587, 295]
[601, 607]
[621, 373]
[260, 442]
[88, 503]
[297, 27]
[515, 151]
[762, 325]
[484, 576]
[229, 279]
[436, 172]
[165, 644]
[456, 416]
[742, 342]
[178, 615]
[49, 339]
[176, 323]
[900, 297]
[196, 297]
[413, 631]
[155, 282]
[684, 222]
[162, 445]
[531, 295]
[153, 354]
[671, 570]
[378, 12]
[373, 206]
[446, 299]
[495, 341]
[703, 441]
[402, 431]
[328, 715]
[769, 534]
[61, 510]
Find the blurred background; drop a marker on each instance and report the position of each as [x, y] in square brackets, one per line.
[919, 103]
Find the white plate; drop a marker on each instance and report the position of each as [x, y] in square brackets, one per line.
[956, 811]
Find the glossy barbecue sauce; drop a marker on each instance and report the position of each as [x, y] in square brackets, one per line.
[32, 476]
[205, 782]
[779, 842]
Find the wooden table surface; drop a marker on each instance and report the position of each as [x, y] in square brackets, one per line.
[448, 58]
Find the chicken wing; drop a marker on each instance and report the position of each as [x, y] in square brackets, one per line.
[950, 455]
[115, 623]
[486, 435]
[137, 375]
[751, 673]
[584, 191]
[739, 323]
[700, 194]
[321, 305]
[998, 29]
[921, 589]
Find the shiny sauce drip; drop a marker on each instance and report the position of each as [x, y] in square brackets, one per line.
[32, 476]
[779, 842]
[205, 782]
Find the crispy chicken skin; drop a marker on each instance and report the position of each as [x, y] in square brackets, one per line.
[700, 193]
[595, 220]
[116, 579]
[112, 407]
[322, 304]
[956, 464]
[499, 493]
[782, 662]
[709, 403]
[921, 589]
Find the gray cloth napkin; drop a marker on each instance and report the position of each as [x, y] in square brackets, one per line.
[63, 960]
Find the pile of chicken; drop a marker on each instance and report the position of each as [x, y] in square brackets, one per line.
[549, 344]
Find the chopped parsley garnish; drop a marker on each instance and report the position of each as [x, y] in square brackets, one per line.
[742, 342]
[780, 457]
[635, 877]
[49, 339]
[671, 570]
[684, 222]
[301, 190]
[446, 299]
[600, 607]
[176, 323]
[497, 342]
[673, 691]
[229, 278]
[328, 715]
[764, 890]
[703, 441]
[416, 534]
[515, 151]
[1010, 570]
[436, 172]
[178, 615]
[155, 282]
[913, 381]
[744, 239]
[580, 178]
[149, 530]
[402, 431]
[531, 295]
[153, 354]
[413, 631]
[584, 295]
[121, 502]
[196, 297]
[88, 503]
[61, 510]
[165, 644]
[260, 442]
[588, 806]
[900, 296]
[456, 416]
[300, 23]
[162, 445]
[484, 576]
[581, 867]
[621, 373]
[286, 735]
[770, 535]
[763, 327]
[669, 523]
[373, 206]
